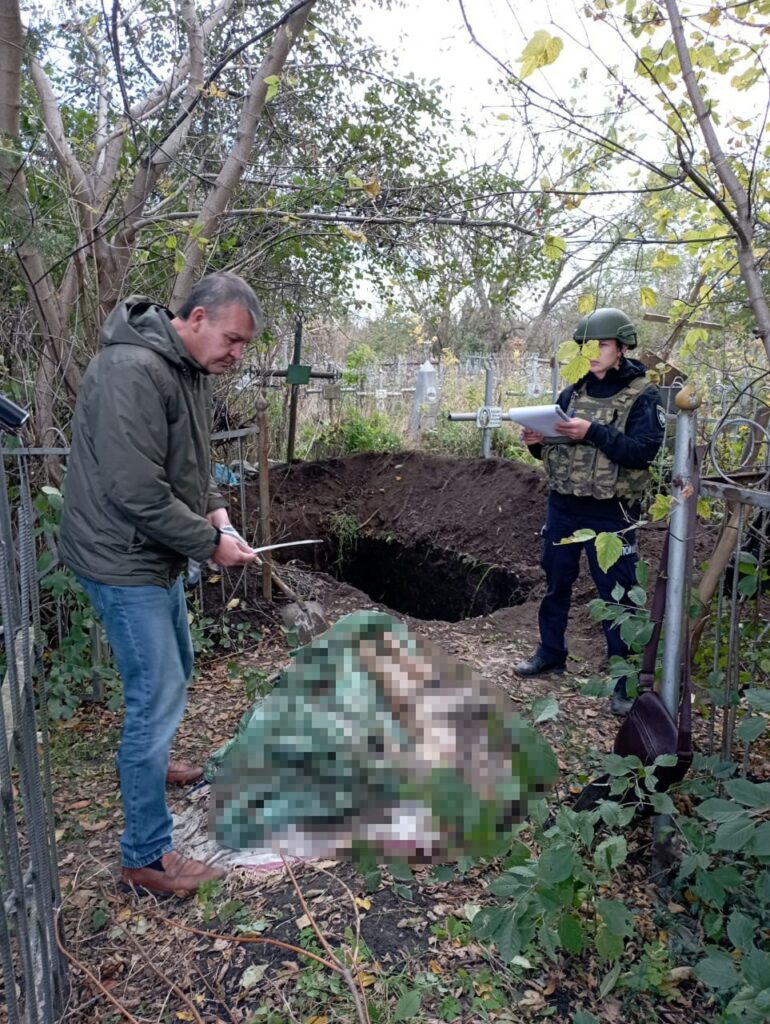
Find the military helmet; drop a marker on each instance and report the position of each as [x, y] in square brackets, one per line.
[606, 322]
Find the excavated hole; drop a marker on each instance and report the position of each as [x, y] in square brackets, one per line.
[423, 581]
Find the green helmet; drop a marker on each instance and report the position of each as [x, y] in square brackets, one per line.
[607, 322]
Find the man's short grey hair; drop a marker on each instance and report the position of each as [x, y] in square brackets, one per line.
[215, 291]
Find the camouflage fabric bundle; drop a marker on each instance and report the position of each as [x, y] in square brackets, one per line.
[367, 724]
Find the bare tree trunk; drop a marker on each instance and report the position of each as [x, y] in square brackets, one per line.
[39, 289]
[238, 158]
[741, 219]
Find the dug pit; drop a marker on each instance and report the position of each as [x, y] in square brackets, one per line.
[428, 536]
[423, 581]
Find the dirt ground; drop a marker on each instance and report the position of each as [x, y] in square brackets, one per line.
[188, 955]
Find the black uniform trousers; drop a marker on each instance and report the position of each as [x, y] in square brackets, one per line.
[562, 567]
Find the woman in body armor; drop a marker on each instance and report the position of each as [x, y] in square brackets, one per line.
[597, 470]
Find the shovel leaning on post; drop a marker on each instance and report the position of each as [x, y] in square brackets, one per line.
[306, 618]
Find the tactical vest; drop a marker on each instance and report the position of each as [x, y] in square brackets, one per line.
[580, 468]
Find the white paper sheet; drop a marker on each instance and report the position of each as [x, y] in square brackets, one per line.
[542, 418]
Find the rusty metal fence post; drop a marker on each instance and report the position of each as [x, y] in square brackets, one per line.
[34, 972]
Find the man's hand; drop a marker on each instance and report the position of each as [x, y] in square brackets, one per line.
[531, 436]
[219, 518]
[575, 429]
[231, 551]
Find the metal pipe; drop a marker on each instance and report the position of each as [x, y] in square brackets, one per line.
[264, 497]
[486, 433]
[294, 391]
[461, 417]
[683, 493]
[314, 374]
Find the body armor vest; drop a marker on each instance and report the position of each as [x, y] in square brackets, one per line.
[580, 468]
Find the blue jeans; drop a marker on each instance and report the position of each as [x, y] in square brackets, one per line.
[562, 567]
[150, 638]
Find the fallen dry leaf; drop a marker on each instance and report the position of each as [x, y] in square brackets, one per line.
[94, 826]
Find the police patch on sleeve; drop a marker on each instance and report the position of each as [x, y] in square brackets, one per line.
[661, 416]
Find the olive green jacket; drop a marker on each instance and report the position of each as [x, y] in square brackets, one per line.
[138, 484]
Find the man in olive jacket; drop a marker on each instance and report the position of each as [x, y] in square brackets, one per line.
[139, 502]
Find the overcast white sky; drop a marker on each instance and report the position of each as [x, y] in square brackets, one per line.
[432, 41]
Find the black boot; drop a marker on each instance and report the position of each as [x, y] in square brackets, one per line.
[537, 665]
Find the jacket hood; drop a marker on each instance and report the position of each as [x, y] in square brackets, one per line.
[142, 322]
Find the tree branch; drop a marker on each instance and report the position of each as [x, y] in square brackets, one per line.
[238, 158]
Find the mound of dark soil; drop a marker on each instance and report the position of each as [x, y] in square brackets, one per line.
[489, 509]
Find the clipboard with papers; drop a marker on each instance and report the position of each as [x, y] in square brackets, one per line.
[541, 418]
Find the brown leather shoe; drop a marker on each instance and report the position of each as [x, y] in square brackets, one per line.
[181, 876]
[181, 774]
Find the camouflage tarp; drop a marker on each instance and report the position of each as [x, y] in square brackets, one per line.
[372, 735]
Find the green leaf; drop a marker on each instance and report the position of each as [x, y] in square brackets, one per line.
[744, 81]
[662, 803]
[665, 760]
[579, 537]
[553, 247]
[586, 303]
[750, 729]
[567, 351]
[665, 260]
[704, 509]
[710, 886]
[715, 809]
[741, 930]
[609, 548]
[400, 871]
[372, 880]
[273, 83]
[583, 1017]
[756, 969]
[750, 794]
[648, 298]
[440, 874]
[642, 573]
[611, 853]
[508, 939]
[718, 971]
[661, 508]
[408, 1005]
[449, 1009]
[617, 917]
[488, 921]
[762, 884]
[403, 892]
[637, 596]
[758, 699]
[608, 945]
[556, 865]
[544, 709]
[542, 49]
[734, 835]
[179, 261]
[760, 845]
[571, 934]
[509, 886]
